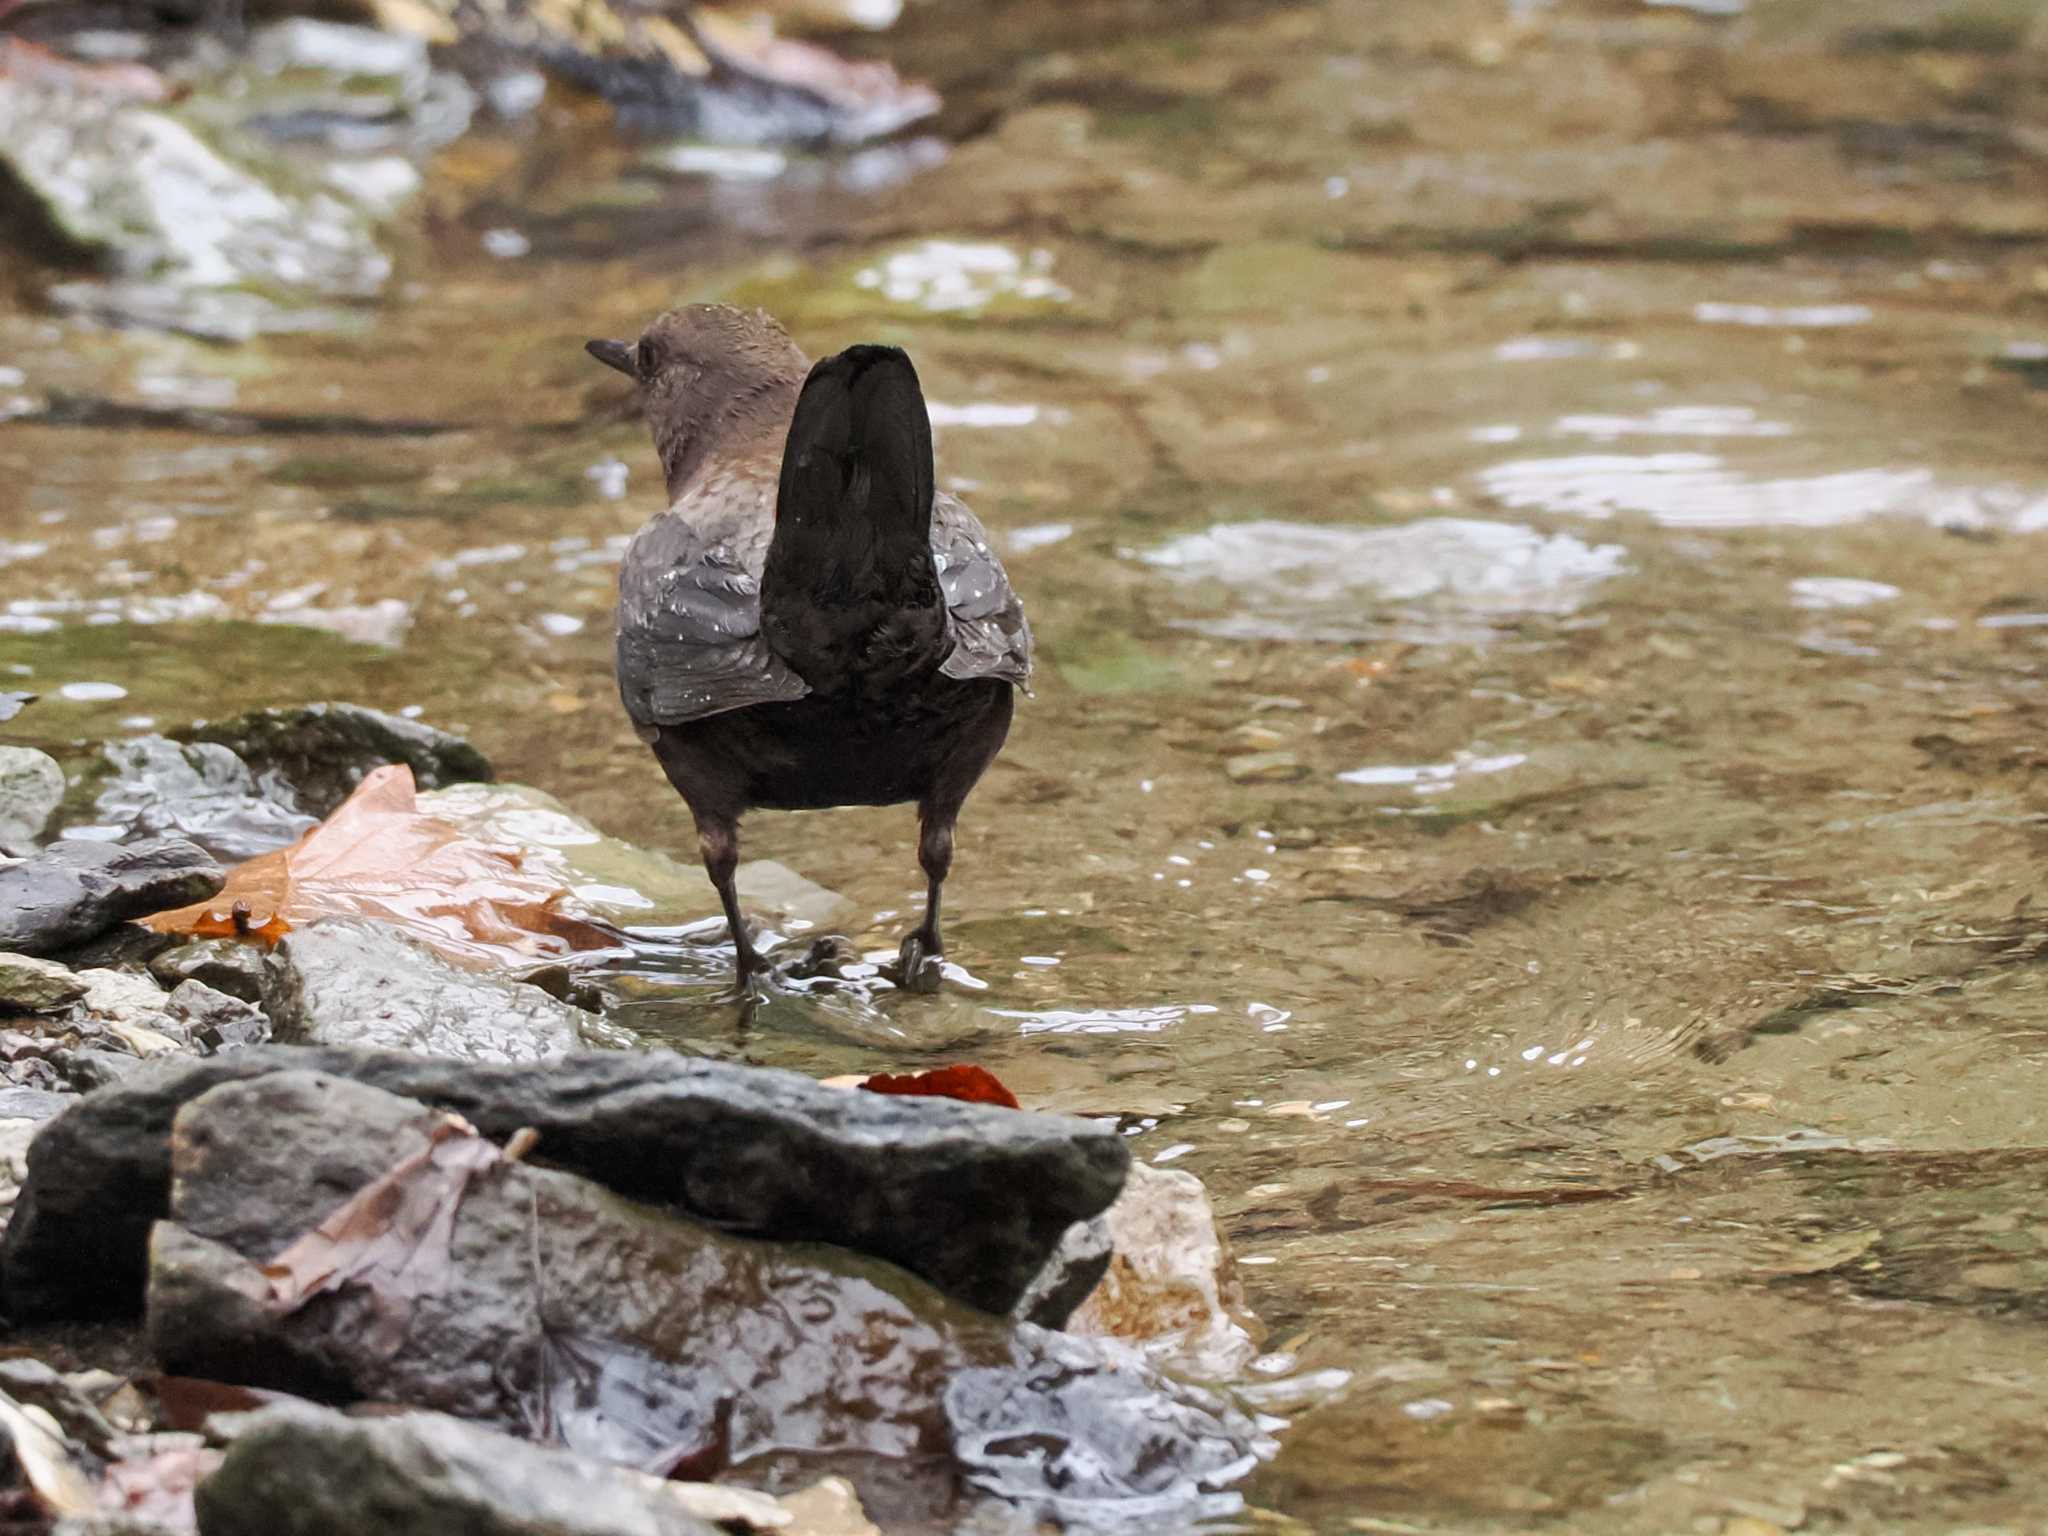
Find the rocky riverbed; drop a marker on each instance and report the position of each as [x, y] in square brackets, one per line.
[308, 1133]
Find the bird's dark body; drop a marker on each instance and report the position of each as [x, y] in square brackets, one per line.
[810, 623]
[820, 752]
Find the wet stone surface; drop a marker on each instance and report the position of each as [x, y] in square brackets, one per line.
[972, 1198]
[72, 893]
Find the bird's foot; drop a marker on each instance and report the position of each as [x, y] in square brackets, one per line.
[920, 965]
[827, 958]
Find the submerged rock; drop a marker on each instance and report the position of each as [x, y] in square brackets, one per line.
[974, 1199]
[31, 788]
[615, 880]
[352, 983]
[302, 1472]
[74, 892]
[321, 752]
[200, 791]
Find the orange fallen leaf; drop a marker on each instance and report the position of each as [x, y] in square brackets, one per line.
[378, 856]
[974, 1085]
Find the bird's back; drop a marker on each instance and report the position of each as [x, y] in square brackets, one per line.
[768, 581]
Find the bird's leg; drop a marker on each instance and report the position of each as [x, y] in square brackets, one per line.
[719, 841]
[917, 962]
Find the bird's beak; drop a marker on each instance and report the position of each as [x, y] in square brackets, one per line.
[614, 354]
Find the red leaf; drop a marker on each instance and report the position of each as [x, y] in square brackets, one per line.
[975, 1085]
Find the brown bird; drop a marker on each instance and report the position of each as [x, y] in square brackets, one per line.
[810, 623]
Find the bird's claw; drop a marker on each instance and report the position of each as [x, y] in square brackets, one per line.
[919, 968]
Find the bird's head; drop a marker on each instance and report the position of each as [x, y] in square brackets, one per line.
[709, 376]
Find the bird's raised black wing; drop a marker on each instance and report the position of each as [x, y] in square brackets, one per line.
[689, 622]
[990, 636]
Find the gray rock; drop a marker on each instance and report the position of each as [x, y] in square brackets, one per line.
[354, 983]
[133, 1013]
[226, 965]
[200, 791]
[134, 187]
[216, 1021]
[975, 1199]
[322, 751]
[31, 1103]
[36, 986]
[74, 892]
[542, 1302]
[302, 1472]
[31, 788]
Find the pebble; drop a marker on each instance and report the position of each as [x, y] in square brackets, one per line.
[1264, 768]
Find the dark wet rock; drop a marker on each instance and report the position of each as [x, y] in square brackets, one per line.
[1074, 1269]
[36, 986]
[226, 965]
[217, 1022]
[556, 1301]
[125, 946]
[200, 791]
[301, 1472]
[31, 788]
[322, 751]
[74, 892]
[974, 1199]
[354, 983]
[548, 1304]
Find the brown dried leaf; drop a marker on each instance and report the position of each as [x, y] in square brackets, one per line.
[379, 856]
[392, 1236]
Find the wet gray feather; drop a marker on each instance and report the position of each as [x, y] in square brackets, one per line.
[689, 623]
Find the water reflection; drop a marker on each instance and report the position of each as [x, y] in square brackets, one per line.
[1700, 490]
[1297, 581]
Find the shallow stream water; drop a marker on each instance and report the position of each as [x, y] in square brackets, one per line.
[1536, 521]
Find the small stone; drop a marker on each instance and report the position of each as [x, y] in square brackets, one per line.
[76, 891]
[36, 986]
[133, 1009]
[31, 788]
[226, 965]
[1265, 768]
[1250, 739]
[217, 1021]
